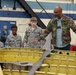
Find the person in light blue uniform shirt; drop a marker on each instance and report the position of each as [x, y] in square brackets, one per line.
[14, 40]
[32, 33]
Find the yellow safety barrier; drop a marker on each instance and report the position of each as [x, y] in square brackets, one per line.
[66, 52]
[57, 59]
[60, 70]
[19, 56]
[22, 72]
[58, 63]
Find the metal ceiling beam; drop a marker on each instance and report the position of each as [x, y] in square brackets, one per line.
[28, 9]
[14, 8]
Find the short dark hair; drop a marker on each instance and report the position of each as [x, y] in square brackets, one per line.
[14, 26]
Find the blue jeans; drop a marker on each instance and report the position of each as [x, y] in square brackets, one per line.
[63, 48]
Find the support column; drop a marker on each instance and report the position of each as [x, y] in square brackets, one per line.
[0, 5]
[14, 8]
